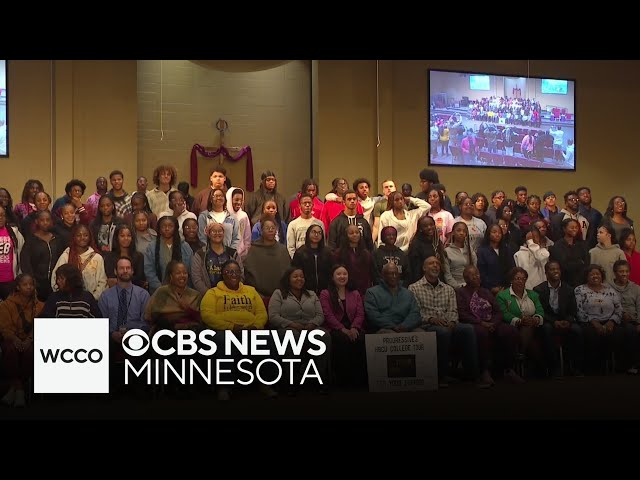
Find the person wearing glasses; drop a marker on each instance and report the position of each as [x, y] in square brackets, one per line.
[234, 306]
[497, 197]
[522, 309]
[570, 210]
[314, 258]
[616, 217]
[206, 264]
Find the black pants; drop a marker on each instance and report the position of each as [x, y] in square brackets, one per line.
[349, 359]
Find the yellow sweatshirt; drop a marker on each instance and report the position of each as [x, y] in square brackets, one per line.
[222, 308]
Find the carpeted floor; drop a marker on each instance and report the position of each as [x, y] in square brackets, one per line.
[599, 397]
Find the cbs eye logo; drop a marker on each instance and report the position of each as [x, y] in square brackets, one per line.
[135, 342]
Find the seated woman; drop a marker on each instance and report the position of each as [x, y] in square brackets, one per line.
[343, 310]
[16, 327]
[314, 258]
[600, 317]
[124, 245]
[82, 253]
[293, 308]
[71, 300]
[522, 309]
[477, 306]
[234, 306]
[389, 253]
[174, 306]
[206, 265]
[267, 260]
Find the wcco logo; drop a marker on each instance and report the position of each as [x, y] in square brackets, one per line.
[67, 355]
[71, 355]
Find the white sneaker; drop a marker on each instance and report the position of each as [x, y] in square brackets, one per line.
[10, 397]
[19, 401]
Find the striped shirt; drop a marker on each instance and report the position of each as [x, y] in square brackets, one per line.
[66, 305]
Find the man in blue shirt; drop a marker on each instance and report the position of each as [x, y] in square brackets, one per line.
[124, 304]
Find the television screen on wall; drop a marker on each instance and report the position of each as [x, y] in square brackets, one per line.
[500, 121]
[4, 128]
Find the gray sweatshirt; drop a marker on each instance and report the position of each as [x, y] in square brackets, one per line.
[606, 257]
[630, 297]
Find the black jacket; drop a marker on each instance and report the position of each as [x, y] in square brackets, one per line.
[567, 307]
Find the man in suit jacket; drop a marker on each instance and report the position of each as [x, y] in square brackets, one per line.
[560, 312]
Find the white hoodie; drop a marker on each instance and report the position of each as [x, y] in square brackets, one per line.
[244, 226]
[532, 257]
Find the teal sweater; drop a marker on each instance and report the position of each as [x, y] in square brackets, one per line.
[385, 310]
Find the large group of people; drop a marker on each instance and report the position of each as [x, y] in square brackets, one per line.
[498, 280]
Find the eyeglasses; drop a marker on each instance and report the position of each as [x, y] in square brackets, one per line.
[519, 279]
[316, 232]
[231, 273]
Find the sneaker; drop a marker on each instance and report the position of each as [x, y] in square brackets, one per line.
[557, 374]
[481, 383]
[513, 377]
[19, 401]
[10, 397]
[223, 394]
[268, 392]
[632, 371]
[486, 378]
[442, 383]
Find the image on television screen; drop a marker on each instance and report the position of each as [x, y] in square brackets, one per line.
[500, 121]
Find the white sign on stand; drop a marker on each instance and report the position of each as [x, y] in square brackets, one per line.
[399, 362]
